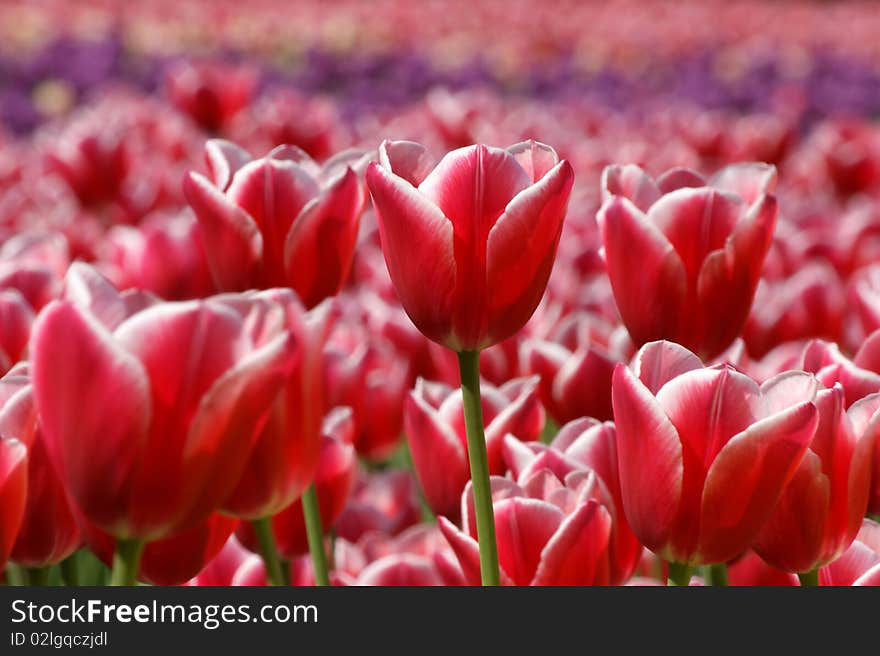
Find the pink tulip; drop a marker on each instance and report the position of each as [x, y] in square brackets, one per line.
[488, 220]
[684, 255]
[704, 453]
[189, 392]
[584, 445]
[210, 93]
[164, 255]
[550, 531]
[750, 570]
[279, 221]
[435, 430]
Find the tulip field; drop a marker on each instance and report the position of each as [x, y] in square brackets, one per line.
[439, 293]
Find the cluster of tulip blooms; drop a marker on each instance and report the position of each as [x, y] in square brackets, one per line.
[246, 342]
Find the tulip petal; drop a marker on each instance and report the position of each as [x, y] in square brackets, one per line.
[748, 180]
[88, 289]
[631, 182]
[868, 355]
[224, 158]
[230, 416]
[517, 277]
[523, 417]
[649, 455]
[791, 539]
[729, 277]
[467, 551]
[406, 159]
[852, 565]
[536, 158]
[679, 177]
[79, 371]
[647, 275]
[657, 363]
[414, 231]
[320, 245]
[577, 553]
[400, 570]
[523, 528]
[233, 243]
[696, 222]
[747, 478]
[869, 578]
[787, 389]
[500, 488]
[439, 457]
[273, 192]
[13, 492]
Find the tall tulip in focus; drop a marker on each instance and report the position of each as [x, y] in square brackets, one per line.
[470, 246]
[684, 255]
[704, 454]
[278, 221]
[151, 423]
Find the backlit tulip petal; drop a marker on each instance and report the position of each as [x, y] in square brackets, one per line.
[649, 454]
[230, 234]
[410, 221]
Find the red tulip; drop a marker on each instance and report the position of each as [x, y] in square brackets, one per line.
[189, 392]
[549, 531]
[435, 430]
[49, 530]
[279, 221]
[703, 453]
[333, 482]
[684, 255]
[285, 454]
[820, 510]
[487, 220]
[13, 490]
